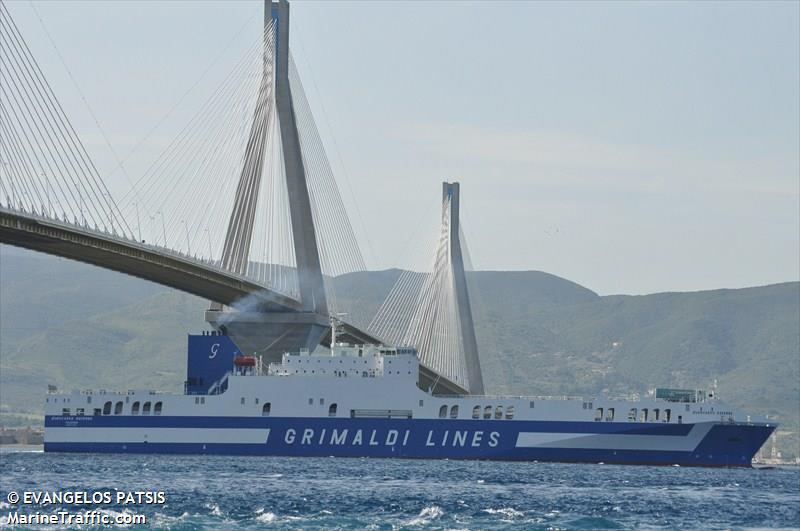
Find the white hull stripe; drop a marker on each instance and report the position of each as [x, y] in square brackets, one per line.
[157, 435]
[594, 441]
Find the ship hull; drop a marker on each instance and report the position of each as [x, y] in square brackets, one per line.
[699, 444]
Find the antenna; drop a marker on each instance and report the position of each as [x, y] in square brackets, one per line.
[334, 320]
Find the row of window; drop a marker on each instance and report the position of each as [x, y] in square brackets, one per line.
[106, 409]
[488, 412]
[638, 415]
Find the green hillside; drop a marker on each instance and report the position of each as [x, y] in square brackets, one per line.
[74, 325]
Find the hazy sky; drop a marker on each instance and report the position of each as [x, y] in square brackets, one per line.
[630, 147]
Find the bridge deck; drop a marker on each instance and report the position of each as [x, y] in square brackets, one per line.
[137, 259]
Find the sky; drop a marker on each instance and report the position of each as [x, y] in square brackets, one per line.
[630, 147]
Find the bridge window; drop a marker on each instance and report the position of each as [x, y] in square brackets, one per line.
[487, 412]
[510, 412]
[135, 408]
[454, 412]
[598, 415]
[643, 415]
[610, 414]
[157, 408]
[498, 412]
[146, 408]
[97, 411]
[118, 408]
[107, 408]
[667, 415]
[443, 412]
[79, 412]
[266, 409]
[476, 412]
[632, 415]
[65, 411]
[332, 410]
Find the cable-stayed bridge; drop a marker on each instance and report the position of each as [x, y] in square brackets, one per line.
[241, 208]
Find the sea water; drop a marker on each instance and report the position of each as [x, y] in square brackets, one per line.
[323, 493]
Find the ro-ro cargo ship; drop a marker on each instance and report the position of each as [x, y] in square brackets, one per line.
[365, 401]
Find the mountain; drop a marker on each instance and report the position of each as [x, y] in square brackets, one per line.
[75, 325]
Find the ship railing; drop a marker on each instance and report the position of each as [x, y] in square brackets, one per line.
[515, 397]
[220, 386]
[52, 389]
[633, 397]
[102, 392]
[636, 397]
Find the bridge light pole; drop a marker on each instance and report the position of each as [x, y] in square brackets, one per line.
[163, 227]
[13, 197]
[111, 215]
[188, 247]
[46, 192]
[210, 253]
[138, 225]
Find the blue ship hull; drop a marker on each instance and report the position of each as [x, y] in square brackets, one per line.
[718, 444]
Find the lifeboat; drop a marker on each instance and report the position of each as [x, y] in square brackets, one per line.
[244, 361]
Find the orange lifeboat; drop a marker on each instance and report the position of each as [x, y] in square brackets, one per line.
[244, 361]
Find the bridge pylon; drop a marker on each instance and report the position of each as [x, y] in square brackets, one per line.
[253, 328]
[431, 311]
[469, 344]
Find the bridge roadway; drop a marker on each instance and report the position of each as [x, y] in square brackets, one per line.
[137, 259]
[168, 268]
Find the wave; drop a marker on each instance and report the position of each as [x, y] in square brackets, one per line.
[215, 510]
[266, 517]
[428, 514]
[508, 512]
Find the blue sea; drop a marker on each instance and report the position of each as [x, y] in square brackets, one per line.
[333, 493]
